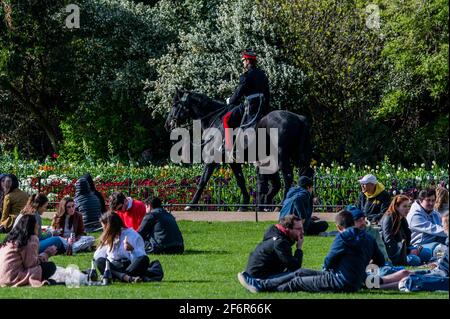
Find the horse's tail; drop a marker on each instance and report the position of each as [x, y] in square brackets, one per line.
[305, 150]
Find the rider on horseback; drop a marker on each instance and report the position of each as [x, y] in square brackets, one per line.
[254, 86]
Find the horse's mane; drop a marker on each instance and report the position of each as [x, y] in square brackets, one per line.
[213, 104]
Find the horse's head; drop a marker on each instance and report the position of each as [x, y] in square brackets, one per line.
[180, 111]
[187, 105]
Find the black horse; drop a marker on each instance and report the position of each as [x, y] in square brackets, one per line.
[294, 144]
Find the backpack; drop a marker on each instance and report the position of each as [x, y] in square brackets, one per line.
[155, 271]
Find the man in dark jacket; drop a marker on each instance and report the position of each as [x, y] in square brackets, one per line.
[299, 202]
[273, 255]
[373, 200]
[254, 86]
[344, 267]
[160, 230]
[88, 205]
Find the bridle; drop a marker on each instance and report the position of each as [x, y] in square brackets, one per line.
[181, 107]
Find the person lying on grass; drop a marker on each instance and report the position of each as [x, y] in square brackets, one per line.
[123, 248]
[273, 256]
[344, 267]
[20, 262]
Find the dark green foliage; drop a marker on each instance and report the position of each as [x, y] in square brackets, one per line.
[370, 87]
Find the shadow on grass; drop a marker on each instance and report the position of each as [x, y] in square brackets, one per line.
[205, 252]
[189, 281]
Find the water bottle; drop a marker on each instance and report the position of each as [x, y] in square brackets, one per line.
[107, 275]
[92, 273]
[69, 251]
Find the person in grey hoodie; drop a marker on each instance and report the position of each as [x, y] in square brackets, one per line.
[425, 223]
[88, 205]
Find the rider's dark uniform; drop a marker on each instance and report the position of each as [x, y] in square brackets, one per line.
[254, 87]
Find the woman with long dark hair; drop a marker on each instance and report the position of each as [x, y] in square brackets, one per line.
[68, 221]
[397, 235]
[123, 248]
[37, 205]
[13, 202]
[20, 263]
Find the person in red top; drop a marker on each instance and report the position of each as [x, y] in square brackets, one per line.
[130, 210]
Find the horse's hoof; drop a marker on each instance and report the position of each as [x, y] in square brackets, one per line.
[187, 208]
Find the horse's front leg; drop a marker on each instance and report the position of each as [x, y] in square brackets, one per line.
[237, 170]
[208, 170]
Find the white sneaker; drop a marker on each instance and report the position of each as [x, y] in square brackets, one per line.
[402, 285]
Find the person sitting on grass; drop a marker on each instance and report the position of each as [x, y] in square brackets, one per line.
[123, 248]
[299, 202]
[159, 230]
[131, 211]
[67, 221]
[373, 199]
[88, 204]
[397, 235]
[37, 205]
[344, 267]
[434, 279]
[273, 256]
[425, 222]
[362, 223]
[99, 195]
[441, 205]
[14, 201]
[20, 262]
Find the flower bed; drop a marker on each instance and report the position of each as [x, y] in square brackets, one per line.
[334, 185]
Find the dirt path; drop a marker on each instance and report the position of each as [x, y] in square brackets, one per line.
[227, 216]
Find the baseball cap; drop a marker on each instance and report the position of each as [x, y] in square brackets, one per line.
[356, 212]
[368, 179]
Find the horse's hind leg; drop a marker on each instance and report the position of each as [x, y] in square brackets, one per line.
[286, 170]
[208, 170]
[275, 186]
[237, 170]
[262, 189]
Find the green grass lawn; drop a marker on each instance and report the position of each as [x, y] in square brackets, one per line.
[215, 253]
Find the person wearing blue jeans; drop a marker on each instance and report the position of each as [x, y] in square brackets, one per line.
[396, 235]
[52, 241]
[433, 279]
[425, 223]
[344, 267]
[37, 205]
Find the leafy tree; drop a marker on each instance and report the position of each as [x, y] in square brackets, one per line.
[415, 94]
[207, 56]
[33, 60]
